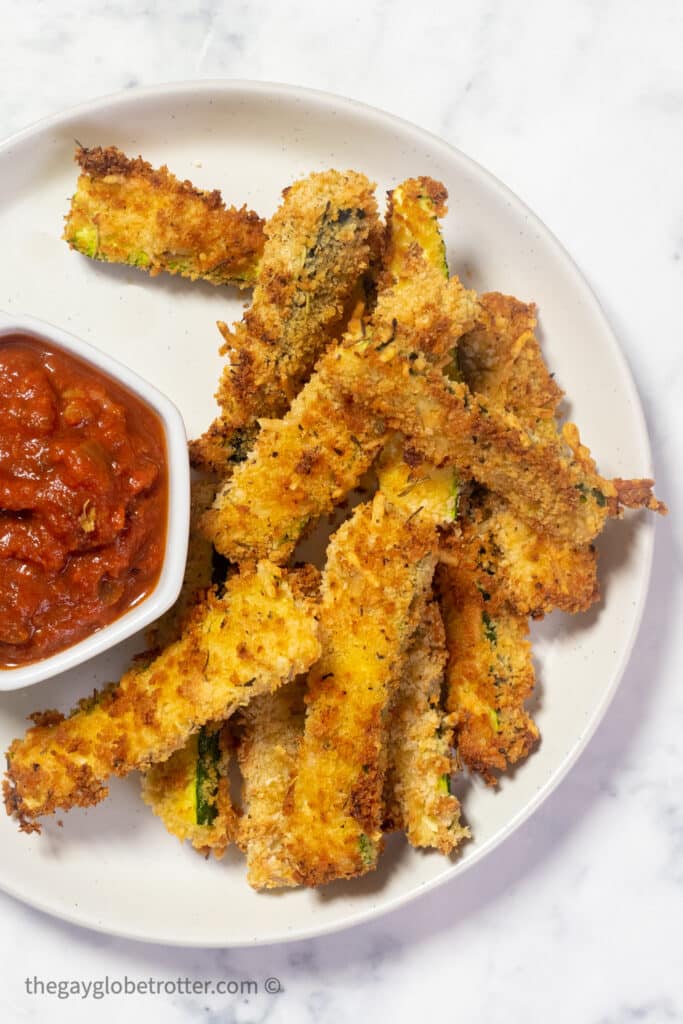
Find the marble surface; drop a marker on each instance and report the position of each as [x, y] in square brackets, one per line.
[577, 106]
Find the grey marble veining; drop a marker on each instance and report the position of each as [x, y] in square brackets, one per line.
[578, 106]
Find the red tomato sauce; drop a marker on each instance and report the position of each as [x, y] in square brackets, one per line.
[83, 500]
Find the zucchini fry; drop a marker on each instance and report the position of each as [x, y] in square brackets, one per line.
[413, 214]
[306, 463]
[553, 485]
[502, 359]
[420, 736]
[248, 642]
[320, 243]
[272, 730]
[489, 673]
[419, 743]
[190, 791]
[413, 485]
[405, 478]
[125, 211]
[537, 573]
[378, 573]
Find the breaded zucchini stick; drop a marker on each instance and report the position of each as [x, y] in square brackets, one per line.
[420, 736]
[552, 485]
[300, 467]
[319, 244]
[306, 463]
[537, 573]
[378, 574]
[272, 730]
[413, 214]
[419, 744]
[489, 674]
[509, 441]
[248, 642]
[412, 484]
[409, 481]
[501, 359]
[125, 211]
[190, 791]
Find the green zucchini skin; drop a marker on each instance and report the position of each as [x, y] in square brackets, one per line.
[206, 780]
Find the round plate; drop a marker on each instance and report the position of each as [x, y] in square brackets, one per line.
[113, 867]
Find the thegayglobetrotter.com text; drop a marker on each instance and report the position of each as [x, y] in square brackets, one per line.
[103, 988]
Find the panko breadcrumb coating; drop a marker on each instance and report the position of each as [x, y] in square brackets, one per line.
[306, 463]
[501, 359]
[248, 642]
[552, 485]
[419, 746]
[272, 728]
[375, 584]
[537, 573]
[489, 674]
[190, 792]
[346, 706]
[125, 211]
[320, 243]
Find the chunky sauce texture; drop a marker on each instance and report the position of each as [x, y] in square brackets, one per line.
[83, 500]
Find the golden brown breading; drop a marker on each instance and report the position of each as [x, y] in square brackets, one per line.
[415, 484]
[537, 573]
[413, 212]
[248, 642]
[174, 788]
[378, 573]
[125, 211]
[306, 463]
[638, 494]
[320, 242]
[419, 741]
[489, 674]
[552, 484]
[190, 791]
[502, 359]
[412, 484]
[272, 730]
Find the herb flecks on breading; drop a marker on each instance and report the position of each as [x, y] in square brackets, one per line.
[126, 211]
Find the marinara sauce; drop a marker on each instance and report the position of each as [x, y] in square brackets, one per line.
[83, 499]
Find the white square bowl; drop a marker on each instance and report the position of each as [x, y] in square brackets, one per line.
[178, 513]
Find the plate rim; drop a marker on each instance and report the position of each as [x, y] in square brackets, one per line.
[322, 98]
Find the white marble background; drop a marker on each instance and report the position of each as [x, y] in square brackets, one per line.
[578, 106]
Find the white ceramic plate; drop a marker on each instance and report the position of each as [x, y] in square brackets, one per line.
[114, 867]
